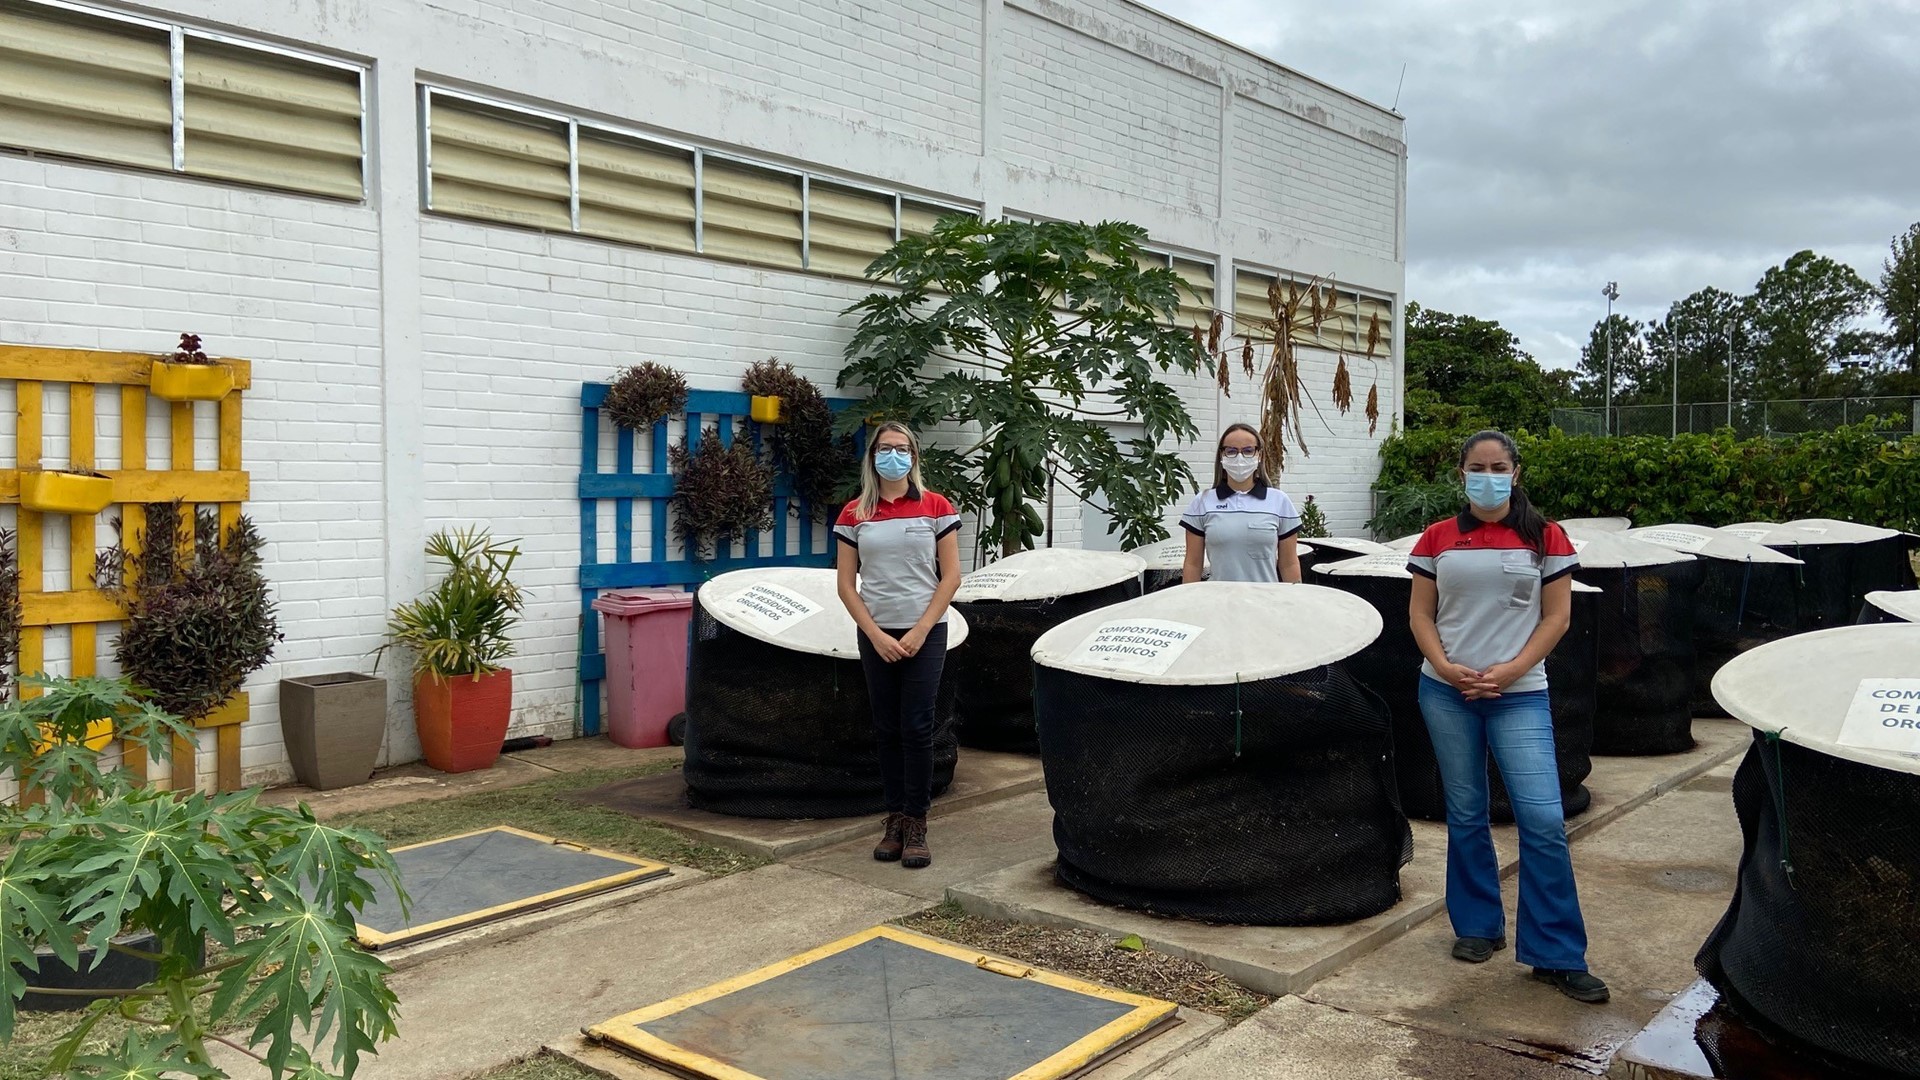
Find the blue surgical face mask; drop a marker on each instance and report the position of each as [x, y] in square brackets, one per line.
[893, 464]
[1489, 490]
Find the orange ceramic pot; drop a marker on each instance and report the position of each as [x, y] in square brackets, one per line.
[462, 721]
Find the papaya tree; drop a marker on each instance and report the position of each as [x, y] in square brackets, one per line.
[1032, 339]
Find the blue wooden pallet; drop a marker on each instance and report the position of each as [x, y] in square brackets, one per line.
[657, 567]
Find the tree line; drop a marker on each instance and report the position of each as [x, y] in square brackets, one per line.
[1810, 328]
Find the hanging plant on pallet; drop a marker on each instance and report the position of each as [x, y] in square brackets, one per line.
[645, 394]
[200, 618]
[720, 493]
[824, 470]
[11, 618]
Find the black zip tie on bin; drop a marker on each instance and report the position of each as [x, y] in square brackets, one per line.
[1238, 714]
[1777, 780]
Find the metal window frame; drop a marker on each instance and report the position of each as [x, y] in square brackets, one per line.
[426, 147]
[177, 35]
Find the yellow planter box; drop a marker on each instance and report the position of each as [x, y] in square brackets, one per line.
[190, 382]
[99, 736]
[767, 410]
[64, 493]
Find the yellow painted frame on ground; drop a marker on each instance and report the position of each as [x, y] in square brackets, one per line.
[623, 1031]
[643, 870]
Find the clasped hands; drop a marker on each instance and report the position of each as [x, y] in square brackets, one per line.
[1481, 685]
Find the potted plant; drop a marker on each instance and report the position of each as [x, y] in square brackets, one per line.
[645, 394]
[58, 491]
[720, 492]
[200, 618]
[333, 725]
[189, 375]
[108, 878]
[459, 633]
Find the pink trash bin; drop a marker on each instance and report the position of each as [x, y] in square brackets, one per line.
[646, 662]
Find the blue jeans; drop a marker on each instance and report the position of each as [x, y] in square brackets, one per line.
[1518, 728]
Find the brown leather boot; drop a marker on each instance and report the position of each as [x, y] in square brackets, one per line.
[888, 849]
[914, 852]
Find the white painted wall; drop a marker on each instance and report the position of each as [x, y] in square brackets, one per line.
[414, 371]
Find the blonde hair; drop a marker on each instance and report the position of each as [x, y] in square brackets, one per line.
[870, 477]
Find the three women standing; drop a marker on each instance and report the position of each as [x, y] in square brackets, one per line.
[899, 566]
[1492, 595]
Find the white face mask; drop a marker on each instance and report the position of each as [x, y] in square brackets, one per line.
[1240, 468]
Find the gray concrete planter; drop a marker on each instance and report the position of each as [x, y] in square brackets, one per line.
[333, 725]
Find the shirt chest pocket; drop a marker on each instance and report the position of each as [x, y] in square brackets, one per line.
[1520, 574]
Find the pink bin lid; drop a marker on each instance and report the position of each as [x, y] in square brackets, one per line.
[641, 601]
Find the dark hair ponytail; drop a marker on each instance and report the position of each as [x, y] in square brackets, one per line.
[1521, 516]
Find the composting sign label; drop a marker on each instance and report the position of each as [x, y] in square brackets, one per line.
[1394, 564]
[1885, 716]
[1678, 539]
[1140, 646]
[1758, 536]
[772, 609]
[987, 584]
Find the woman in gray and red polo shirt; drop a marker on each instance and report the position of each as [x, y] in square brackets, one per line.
[899, 567]
[1492, 595]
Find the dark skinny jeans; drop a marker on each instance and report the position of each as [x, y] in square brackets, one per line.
[903, 694]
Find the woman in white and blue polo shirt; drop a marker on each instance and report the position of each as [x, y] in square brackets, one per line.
[899, 567]
[1242, 527]
[1492, 595]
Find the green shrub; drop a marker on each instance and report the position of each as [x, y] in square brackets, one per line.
[1409, 508]
[1855, 473]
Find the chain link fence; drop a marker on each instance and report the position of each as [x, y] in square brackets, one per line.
[1748, 419]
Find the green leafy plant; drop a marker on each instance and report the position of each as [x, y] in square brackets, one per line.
[720, 492]
[1857, 473]
[645, 394]
[1313, 520]
[1038, 337]
[823, 468]
[273, 889]
[462, 627]
[1409, 508]
[200, 617]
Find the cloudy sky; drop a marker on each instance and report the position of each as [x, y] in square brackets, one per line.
[1664, 144]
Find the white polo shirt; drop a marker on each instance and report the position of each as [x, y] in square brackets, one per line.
[1243, 530]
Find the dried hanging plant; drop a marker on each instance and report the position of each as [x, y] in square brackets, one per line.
[1342, 387]
[1213, 334]
[1373, 408]
[1246, 357]
[1223, 377]
[1373, 334]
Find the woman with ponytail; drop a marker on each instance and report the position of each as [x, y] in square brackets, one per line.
[1242, 526]
[1492, 594]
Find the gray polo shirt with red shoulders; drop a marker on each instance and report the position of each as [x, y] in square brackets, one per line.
[1489, 582]
[899, 554]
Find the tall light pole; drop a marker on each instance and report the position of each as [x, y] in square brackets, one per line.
[1674, 376]
[1612, 293]
[1730, 375]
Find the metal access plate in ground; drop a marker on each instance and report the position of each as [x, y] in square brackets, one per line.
[886, 1004]
[478, 877]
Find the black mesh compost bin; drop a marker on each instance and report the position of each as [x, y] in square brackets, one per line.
[778, 723]
[1821, 941]
[1843, 563]
[1166, 561]
[1748, 596]
[1333, 549]
[1891, 607]
[1644, 630]
[1009, 604]
[1207, 756]
[1390, 667]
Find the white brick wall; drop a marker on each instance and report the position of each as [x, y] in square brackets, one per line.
[101, 258]
[413, 372]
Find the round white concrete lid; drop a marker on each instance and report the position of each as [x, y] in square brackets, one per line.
[1848, 532]
[1045, 573]
[1904, 603]
[1710, 543]
[1352, 545]
[1602, 550]
[1804, 686]
[1211, 633]
[795, 608]
[1597, 524]
[1778, 535]
[1405, 543]
[1395, 566]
